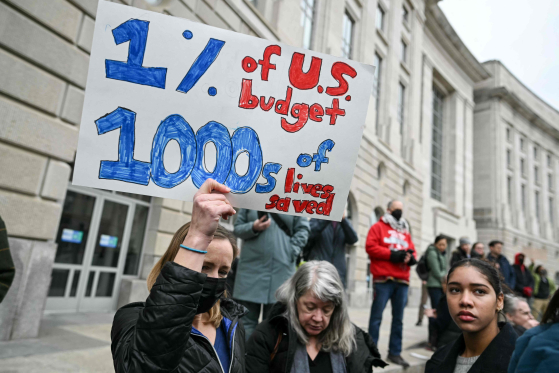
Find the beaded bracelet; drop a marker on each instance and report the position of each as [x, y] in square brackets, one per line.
[191, 249]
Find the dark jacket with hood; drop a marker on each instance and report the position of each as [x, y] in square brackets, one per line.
[263, 341]
[328, 243]
[505, 268]
[458, 255]
[523, 278]
[495, 358]
[157, 336]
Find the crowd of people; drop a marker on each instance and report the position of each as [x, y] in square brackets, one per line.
[286, 310]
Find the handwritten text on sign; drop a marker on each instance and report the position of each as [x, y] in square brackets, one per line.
[170, 103]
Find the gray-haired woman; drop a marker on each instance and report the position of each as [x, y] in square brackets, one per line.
[309, 331]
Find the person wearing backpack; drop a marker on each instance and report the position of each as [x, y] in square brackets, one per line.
[436, 262]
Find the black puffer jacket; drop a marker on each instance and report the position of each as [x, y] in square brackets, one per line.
[263, 340]
[155, 335]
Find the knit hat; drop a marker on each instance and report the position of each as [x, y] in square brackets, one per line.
[465, 241]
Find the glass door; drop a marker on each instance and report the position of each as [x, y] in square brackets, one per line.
[110, 243]
[99, 239]
[73, 238]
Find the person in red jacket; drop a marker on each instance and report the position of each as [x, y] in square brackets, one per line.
[392, 252]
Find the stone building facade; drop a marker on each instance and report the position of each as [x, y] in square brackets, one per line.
[417, 146]
[516, 158]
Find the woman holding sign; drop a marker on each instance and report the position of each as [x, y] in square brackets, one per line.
[187, 324]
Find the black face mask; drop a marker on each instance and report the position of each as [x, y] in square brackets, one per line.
[543, 273]
[521, 260]
[211, 292]
[397, 214]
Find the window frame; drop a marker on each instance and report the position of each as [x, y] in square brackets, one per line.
[405, 15]
[345, 43]
[402, 101]
[404, 51]
[377, 81]
[509, 190]
[437, 125]
[382, 12]
[537, 207]
[523, 197]
[304, 6]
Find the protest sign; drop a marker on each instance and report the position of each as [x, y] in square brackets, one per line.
[170, 103]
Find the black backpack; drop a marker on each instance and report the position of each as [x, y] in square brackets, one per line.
[422, 267]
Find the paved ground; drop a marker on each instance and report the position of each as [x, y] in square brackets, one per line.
[80, 342]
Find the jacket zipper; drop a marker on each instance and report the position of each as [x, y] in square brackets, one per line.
[232, 347]
[213, 348]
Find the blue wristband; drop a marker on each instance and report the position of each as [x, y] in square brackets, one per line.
[191, 249]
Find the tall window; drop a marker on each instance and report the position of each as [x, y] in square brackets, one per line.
[550, 182]
[307, 11]
[377, 62]
[535, 153]
[522, 167]
[509, 190]
[347, 36]
[403, 52]
[437, 145]
[551, 214]
[522, 144]
[537, 205]
[508, 134]
[401, 106]
[509, 159]
[536, 174]
[380, 18]
[523, 197]
[549, 161]
[405, 14]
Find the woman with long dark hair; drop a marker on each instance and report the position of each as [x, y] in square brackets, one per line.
[537, 351]
[187, 324]
[475, 302]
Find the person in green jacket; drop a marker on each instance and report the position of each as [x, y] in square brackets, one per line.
[436, 262]
[7, 269]
[544, 288]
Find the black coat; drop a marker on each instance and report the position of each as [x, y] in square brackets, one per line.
[263, 340]
[442, 328]
[523, 278]
[495, 358]
[329, 244]
[457, 255]
[155, 335]
[7, 269]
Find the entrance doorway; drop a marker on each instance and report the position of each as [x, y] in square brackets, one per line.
[100, 239]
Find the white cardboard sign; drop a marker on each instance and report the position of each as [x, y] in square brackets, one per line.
[170, 102]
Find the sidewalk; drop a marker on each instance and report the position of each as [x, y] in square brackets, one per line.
[413, 336]
[80, 342]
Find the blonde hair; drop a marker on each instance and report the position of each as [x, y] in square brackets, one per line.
[220, 234]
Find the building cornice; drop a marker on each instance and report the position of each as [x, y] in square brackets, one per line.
[486, 94]
[442, 30]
